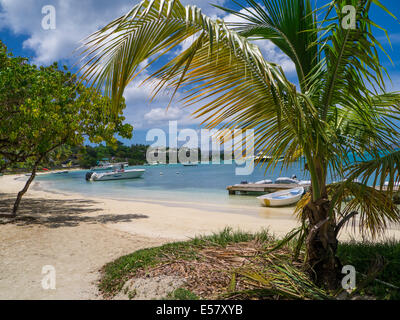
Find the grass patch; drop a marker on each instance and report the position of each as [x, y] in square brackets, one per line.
[213, 268]
[116, 273]
[362, 255]
[182, 294]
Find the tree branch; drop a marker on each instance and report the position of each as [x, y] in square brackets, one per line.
[344, 221]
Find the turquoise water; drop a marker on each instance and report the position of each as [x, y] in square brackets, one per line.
[202, 183]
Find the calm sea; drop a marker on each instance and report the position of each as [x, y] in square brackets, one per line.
[202, 185]
[205, 182]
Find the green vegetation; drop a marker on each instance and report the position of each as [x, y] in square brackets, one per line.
[340, 110]
[366, 255]
[44, 111]
[116, 273]
[282, 277]
[182, 294]
[88, 156]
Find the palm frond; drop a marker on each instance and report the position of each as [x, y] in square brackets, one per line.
[153, 28]
[289, 24]
[375, 208]
[284, 281]
[382, 172]
[351, 57]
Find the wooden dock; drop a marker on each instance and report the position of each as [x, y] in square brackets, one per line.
[266, 188]
[269, 188]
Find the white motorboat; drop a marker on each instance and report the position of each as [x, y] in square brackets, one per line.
[305, 182]
[61, 172]
[264, 182]
[102, 168]
[286, 180]
[157, 163]
[264, 158]
[107, 166]
[282, 198]
[115, 175]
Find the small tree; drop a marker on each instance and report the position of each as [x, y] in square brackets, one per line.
[44, 109]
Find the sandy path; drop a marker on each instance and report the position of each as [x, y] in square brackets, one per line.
[77, 253]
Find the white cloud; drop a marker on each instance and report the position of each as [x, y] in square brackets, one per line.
[142, 112]
[76, 19]
[163, 114]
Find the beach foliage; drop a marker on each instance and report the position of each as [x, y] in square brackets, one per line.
[88, 156]
[116, 273]
[44, 109]
[258, 271]
[365, 255]
[339, 116]
[182, 294]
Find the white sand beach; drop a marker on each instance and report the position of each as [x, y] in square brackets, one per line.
[78, 235]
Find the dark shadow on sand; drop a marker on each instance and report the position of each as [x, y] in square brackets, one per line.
[57, 213]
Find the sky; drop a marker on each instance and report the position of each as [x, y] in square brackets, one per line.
[21, 30]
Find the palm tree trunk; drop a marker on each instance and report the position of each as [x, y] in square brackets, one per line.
[321, 245]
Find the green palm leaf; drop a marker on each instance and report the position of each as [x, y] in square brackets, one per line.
[379, 170]
[151, 29]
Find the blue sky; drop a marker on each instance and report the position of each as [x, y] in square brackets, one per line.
[21, 31]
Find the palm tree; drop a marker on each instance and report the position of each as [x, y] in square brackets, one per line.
[340, 113]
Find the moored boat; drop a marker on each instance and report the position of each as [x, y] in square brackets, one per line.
[190, 164]
[107, 166]
[61, 172]
[268, 181]
[286, 180]
[116, 175]
[282, 198]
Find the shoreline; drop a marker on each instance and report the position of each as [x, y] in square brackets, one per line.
[79, 234]
[170, 211]
[278, 221]
[212, 206]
